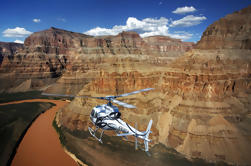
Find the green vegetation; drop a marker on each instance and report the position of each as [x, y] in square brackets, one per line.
[60, 133]
[15, 120]
[65, 143]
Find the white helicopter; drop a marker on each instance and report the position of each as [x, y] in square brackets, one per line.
[107, 117]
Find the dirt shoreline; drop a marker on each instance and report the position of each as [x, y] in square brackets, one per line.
[34, 149]
[34, 100]
[13, 153]
[74, 157]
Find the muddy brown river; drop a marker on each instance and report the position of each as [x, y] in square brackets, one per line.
[40, 145]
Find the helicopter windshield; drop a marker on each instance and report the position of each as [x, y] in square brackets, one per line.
[115, 109]
[93, 113]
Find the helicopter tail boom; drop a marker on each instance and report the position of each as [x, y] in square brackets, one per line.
[143, 135]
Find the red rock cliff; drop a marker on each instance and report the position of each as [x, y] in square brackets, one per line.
[232, 31]
[201, 102]
[8, 49]
[50, 53]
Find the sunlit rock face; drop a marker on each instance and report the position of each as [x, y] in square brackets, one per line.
[8, 49]
[60, 59]
[36, 65]
[201, 102]
[230, 32]
[166, 46]
[212, 118]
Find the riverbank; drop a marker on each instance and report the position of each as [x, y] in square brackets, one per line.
[64, 143]
[21, 96]
[40, 145]
[74, 157]
[15, 120]
[116, 151]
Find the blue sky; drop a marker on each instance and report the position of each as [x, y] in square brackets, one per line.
[184, 19]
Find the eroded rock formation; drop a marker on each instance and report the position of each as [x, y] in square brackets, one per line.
[8, 50]
[59, 54]
[164, 45]
[201, 102]
[230, 32]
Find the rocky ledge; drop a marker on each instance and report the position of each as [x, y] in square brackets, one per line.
[8, 49]
[230, 32]
[63, 57]
[201, 102]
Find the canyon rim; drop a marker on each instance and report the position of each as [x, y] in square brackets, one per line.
[202, 98]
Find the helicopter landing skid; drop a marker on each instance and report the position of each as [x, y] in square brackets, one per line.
[92, 132]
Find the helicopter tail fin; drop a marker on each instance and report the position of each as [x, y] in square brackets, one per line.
[148, 131]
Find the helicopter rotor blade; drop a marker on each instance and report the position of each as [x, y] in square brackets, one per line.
[103, 98]
[109, 98]
[134, 92]
[72, 96]
[60, 95]
[123, 104]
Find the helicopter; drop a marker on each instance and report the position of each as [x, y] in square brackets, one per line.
[107, 117]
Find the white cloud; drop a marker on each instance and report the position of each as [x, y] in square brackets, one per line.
[36, 20]
[188, 21]
[16, 32]
[183, 10]
[183, 35]
[146, 27]
[19, 41]
[101, 31]
[150, 27]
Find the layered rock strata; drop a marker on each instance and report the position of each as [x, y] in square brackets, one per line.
[8, 50]
[166, 46]
[230, 32]
[49, 54]
[201, 102]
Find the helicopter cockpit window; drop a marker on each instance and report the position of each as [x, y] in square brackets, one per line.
[116, 109]
[93, 113]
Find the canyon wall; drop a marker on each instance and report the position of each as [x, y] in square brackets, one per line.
[230, 32]
[201, 102]
[8, 50]
[60, 59]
